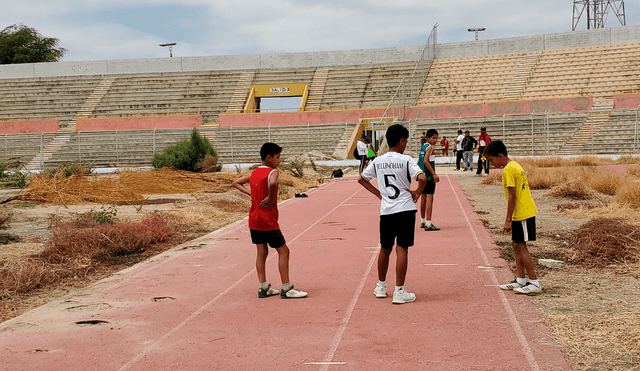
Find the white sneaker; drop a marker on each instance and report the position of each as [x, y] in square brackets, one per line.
[510, 286]
[528, 289]
[402, 296]
[268, 292]
[380, 291]
[292, 293]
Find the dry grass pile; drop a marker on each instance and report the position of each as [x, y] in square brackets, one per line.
[634, 171]
[594, 209]
[213, 211]
[124, 186]
[575, 188]
[629, 194]
[604, 241]
[18, 276]
[99, 241]
[492, 179]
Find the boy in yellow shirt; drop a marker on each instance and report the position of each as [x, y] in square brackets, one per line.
[521, 217]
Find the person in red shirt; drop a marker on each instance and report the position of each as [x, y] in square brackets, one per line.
[483, 142]
[444, 143]
[263, 221]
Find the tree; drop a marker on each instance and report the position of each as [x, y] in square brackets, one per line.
[22, 44]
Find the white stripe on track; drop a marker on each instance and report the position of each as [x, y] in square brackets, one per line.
[215, 299]
[526, 348]
[347, 316]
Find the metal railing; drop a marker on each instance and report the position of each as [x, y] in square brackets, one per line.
[408, 91]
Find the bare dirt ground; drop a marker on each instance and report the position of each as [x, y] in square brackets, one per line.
[201, 212]
[594, 313]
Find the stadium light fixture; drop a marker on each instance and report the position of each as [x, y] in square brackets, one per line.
[170, 45]
[476, 30]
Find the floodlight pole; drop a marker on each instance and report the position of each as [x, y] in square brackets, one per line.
[476, 30]
[597, 11]
[170, 45]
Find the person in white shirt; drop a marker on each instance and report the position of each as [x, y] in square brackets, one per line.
[394, 172]
[363, 151]
[459, 151]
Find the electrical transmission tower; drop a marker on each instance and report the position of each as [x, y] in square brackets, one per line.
[597, 11]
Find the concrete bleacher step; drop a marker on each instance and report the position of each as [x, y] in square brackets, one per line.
[40, 159]
[89, 105]
[343, 144]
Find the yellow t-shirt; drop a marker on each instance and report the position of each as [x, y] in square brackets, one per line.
[513, 175]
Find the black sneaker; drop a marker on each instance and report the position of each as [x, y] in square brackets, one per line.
[268, 292]
[431, 228]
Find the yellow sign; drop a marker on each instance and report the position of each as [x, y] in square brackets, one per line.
[279, 90]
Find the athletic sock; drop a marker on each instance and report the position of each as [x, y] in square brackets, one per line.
[428, 223]
[398, 288]
[264, 285]
[382, 283]
[521, 281]
[286, 286]
[423, 221]
[535, 282]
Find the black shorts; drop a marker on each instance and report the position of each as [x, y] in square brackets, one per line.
[523, 230]
[274, 238]
[429, 187]
[400, 226]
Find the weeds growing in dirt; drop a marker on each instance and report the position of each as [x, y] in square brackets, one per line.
[103, 215]
[69, 169]
[5, 217]
[629, 193]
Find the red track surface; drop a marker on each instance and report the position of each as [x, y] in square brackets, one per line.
[215, 321]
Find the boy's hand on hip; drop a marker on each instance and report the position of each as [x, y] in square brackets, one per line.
[266, 202]
[415, 195]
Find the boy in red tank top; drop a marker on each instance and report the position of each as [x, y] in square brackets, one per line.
[263, 221]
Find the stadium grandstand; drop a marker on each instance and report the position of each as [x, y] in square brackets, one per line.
[552, 94]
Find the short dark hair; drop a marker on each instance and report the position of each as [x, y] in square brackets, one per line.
[495, 148]
[431, 132]
[467, 131]
[269, 149]
[483, 129]
[395, 133]
[459, 131]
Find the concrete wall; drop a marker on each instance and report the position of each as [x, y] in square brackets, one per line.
[626, 101]
[430, 112]
[324, 58]
[29, 127]
[139, 123]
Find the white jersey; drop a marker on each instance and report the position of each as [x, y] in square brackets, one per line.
[459, 145]
[394, 172]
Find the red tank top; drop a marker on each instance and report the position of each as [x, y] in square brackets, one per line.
[262, 218]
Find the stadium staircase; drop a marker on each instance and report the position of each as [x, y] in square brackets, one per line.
[524, 70]
[89, 105]
[239, 97]
[316, 89]
[598, 117]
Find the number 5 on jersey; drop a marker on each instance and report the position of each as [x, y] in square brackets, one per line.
[389, 185]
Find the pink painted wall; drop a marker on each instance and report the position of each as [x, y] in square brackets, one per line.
[427, 112]
[29, 127]
[626, 101]
[139, 123]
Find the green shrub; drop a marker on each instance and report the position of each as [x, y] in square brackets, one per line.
[185, 155]
[68, 169]
[103, 215]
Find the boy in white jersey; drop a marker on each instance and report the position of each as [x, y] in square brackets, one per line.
[394, 171]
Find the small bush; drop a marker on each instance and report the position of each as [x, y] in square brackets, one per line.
[209, 164]
[185, 155]
[629, 193]
[492, 179]
[103, 215]
[69, 169]
[5, 216]
[101, 241]
[605, 181]
[14, 179]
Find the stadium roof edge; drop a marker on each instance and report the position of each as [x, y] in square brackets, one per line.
[562, 40]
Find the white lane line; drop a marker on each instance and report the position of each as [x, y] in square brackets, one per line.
[440, 264]
[215, 299]
[526, 348]
[325, 363]
[347, 316]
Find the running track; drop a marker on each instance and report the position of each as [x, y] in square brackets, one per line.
[206, 314]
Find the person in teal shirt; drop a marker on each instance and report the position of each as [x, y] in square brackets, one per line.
[427, 162]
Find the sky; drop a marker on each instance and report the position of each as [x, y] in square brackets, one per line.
[119, 29]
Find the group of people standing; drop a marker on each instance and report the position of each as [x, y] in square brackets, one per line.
[466, 144]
